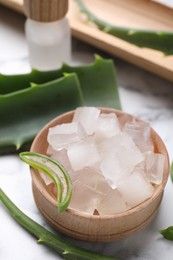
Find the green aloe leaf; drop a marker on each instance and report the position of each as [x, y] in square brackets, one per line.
[12, 83]
[98, 83]
[167, 233]
[97, 80]
[158, 40]
[55, 171]
[47, 238]
[25, 112]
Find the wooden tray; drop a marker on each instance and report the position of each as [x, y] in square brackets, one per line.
[135, 14]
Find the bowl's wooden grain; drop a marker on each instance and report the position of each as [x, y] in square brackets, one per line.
[95, 228]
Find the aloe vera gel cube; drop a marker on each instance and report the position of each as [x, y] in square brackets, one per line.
[87, 117]
[83, 154]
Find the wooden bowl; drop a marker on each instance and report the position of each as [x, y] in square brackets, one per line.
[95, 228]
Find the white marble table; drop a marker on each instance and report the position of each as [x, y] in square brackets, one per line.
[143, 95]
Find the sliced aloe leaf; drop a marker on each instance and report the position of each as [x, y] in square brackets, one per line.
[158, 40]
[55, 171]
[26, 110]
[24, 113]
[12, 83]
[98, 83]
[97, 80]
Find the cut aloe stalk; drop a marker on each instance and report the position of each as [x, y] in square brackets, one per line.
[158, 40]
[26, 109]
[24, 113]
[12, 83]
[55, 171]
[97, 81]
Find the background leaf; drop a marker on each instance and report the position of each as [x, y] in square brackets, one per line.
[27, 109]
[158, 40]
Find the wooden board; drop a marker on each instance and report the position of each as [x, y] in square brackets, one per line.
[135, 14]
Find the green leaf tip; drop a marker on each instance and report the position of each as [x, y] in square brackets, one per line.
[68, 74]
[18, 145]
[66, 252]
[131, 32]
[34, 85]
[167, 233]
[98, 57]
[162, 231]
[40, 240]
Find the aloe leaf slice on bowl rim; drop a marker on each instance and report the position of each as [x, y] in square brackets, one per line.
[55, 171]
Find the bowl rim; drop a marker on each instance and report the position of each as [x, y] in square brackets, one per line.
[159, 189]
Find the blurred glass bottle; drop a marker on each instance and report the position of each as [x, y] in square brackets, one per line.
[48, 33]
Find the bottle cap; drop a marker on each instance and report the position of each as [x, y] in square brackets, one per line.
[45, 10]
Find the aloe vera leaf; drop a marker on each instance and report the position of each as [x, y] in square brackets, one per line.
[45, 237]
[171, 172]
[167, 233]
[98, 83]
[55, 171]
[97, 80]
[12, 83]
[158, 40]
[24, 113]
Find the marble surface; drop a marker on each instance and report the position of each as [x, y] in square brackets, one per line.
[143, 95]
